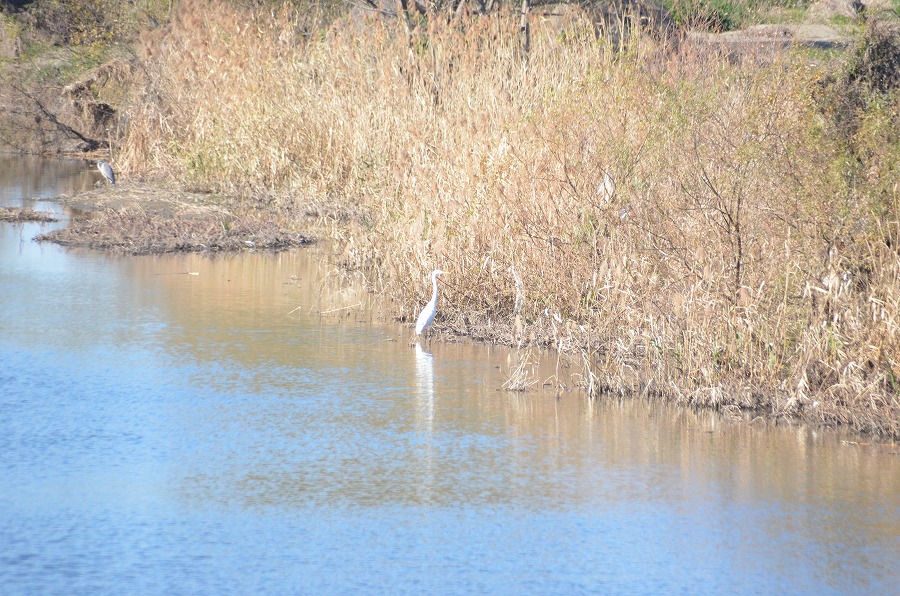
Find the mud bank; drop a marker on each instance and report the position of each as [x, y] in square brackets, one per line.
[11, 214]
[144, 218]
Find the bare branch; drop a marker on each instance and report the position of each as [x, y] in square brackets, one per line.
[90, 144]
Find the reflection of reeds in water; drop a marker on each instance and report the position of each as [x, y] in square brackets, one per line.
[39, 177]
[340, 293]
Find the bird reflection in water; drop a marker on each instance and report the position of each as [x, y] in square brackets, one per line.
[425, 420]
[424, 388]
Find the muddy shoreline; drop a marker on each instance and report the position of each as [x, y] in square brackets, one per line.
[13, 215]
[141, 218]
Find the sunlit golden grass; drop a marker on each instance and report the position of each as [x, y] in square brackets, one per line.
[747, 254]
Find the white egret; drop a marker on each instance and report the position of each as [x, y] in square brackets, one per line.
[607, 189]
[427, 315]
[107, 171]
[520, 295]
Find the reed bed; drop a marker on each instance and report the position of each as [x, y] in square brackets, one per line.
[711, 231]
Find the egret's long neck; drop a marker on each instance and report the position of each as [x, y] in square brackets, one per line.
[434, 291]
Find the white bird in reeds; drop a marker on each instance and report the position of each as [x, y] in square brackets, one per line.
[107, 171]
[607, 189]
[520, 295]
[426, 317]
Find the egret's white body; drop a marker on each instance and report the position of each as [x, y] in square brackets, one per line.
[107, 171]
[427, 315]
[607, 189]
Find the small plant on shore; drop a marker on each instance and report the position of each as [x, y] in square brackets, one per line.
[521, 375]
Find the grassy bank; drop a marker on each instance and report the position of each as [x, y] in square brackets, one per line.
[748, 255]
[64, 69]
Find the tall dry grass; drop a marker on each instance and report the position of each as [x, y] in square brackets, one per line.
[746, 257]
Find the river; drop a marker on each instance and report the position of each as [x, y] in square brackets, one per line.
[236, 424]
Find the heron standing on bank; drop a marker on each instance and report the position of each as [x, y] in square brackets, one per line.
[426, 317]
[107, 171]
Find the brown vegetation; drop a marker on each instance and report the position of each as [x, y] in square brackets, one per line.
[13, 214]
[137, 232]
[747, 254]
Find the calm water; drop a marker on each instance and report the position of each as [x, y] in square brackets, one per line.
[215, 433]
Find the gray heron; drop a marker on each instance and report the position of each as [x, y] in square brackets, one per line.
[107, 171]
